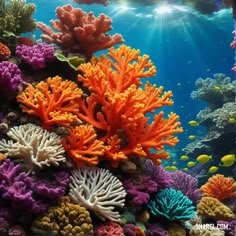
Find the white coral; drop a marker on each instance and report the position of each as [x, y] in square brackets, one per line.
[35, 145]
[97, 190]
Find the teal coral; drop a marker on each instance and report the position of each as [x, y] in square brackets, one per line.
[15, 19]
[172, 204]
[66, 219]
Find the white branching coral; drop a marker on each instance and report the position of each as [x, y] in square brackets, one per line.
[34, 145]
[97, 190]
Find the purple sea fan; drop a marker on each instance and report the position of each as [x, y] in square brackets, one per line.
[161, 177]
[10, 76]
[187, 184]
[37, 55]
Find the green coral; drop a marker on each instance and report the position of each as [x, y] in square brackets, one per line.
[66, 219]
[15, 18]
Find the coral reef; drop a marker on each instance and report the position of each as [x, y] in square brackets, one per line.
[212, 208]
[64, 219]
[54, 101]
[97, 190]
[37, 55]
[176, 230]
[219, 187]
[34, 146]
[172, 204]
[79, 32]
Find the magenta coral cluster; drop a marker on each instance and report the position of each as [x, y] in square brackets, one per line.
[140, 188]
[10, 77]
[37, 55]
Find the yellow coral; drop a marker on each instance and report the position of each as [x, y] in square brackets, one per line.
[205, 230]
[66, 219]
[176, 230]
[212, 208]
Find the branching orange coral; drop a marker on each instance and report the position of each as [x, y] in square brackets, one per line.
[83, 146]
[219, 187]
[117, 106]
[54, 101]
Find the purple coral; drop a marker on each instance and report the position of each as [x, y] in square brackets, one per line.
[161, 177]
[32, 194]
[139, 188]
[37, 55]
[10, 76]
[129, 229]
[230, 226]
[187, 184]
[156, 230]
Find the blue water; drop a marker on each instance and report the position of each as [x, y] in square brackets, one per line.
[183, 44]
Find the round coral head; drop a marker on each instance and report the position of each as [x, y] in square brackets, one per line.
[5, 52]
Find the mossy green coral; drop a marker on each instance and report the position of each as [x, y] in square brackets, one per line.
[66, 219]
[15, 19]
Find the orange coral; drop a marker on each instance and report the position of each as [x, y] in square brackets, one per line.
[83, 146]
[54, 101]
[117, 105]
[219, 187]
[4, 52]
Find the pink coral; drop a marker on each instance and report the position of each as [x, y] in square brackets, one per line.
[109, 229]
[78, 31]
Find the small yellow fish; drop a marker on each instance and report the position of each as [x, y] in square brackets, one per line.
[173, 168]
[191, 137]
[185, 169]
[193, 123]
[232, 120]
[184, 158]
[213, 169]
[168, 168]
[228, 160]
[204, 158]
[216, 88]
[191, 164]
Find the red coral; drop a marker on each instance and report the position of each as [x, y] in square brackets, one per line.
[5, 52]
[109, 229]
[78, 31]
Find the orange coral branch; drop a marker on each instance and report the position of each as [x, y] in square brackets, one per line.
[82, 145]
[54, 101]
[219, 187]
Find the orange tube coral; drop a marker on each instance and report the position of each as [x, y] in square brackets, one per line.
[54, 101]
[219, 187]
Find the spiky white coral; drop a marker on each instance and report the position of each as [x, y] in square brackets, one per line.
[97, 190]
[35, 145]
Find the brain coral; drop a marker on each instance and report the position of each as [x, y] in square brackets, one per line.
[212, 208]
[66, 219]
